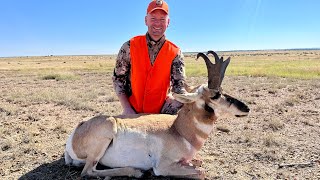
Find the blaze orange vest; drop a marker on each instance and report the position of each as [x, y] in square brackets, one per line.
[150, 83]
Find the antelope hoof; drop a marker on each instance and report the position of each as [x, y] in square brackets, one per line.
[84, 177]
[107, 178]
[137, 173]
[197, 162]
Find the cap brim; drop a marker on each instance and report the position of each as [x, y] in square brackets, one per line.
[158, 8]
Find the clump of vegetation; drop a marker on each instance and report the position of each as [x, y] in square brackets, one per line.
[60, 128]
[271, 140]
[5, 112]
[291, 101]
[276, 124]
[308, 122]
[5, 146]
[247, 138]
[223, 128]
[59, 76]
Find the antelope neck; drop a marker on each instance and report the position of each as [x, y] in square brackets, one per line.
[189, 127]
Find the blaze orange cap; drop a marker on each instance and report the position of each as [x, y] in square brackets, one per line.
[158, 4]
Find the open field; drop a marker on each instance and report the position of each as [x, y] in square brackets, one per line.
[42, 99]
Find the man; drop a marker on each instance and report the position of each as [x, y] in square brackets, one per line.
[148, 65]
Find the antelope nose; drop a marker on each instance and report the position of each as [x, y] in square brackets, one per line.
[245, 108]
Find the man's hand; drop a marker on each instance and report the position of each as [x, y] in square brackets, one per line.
[128, 110]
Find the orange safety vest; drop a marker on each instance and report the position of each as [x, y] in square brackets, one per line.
[150, 83]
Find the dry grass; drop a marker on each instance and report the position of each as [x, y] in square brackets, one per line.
[37, 114]
[276, 124]
[58, 63]
[271, 140]
[58, 76]
[223, 128]
[292, 64]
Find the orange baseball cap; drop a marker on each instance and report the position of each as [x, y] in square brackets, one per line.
[158, 4]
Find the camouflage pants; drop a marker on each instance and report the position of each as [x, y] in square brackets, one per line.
[171, 106]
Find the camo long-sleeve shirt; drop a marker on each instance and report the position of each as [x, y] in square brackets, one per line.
[121, 77]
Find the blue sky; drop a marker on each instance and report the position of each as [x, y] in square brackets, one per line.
[80, 27]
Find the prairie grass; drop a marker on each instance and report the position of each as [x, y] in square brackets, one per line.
[58, 63]
[37, 115]
[276, 124]
[8, 109]
[223, 128]
[58, 76]
[271, 140]
[246, 137]
[306, 69]
[300, 64]
[67, 97]
[290, 64]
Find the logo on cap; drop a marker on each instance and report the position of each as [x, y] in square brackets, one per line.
[159, 2]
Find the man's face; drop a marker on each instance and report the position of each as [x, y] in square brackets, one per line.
[157, 22]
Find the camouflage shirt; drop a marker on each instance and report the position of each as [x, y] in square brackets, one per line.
[121, 76]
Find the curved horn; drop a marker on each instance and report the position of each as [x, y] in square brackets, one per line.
[215, 71]
[216, 57]
[206, 59]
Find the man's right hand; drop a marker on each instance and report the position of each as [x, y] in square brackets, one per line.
[128, 110]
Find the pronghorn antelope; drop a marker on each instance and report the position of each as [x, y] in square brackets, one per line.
[164, 143]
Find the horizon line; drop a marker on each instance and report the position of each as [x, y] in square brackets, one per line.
[186, 52]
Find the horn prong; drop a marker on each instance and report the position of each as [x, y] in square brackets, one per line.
[215, 71]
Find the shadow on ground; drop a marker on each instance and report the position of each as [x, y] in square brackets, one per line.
[58, 170]
[53, 170]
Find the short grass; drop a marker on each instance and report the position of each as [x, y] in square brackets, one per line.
[42, 99]
[54, 94]
[46, 64]
[300, 64]
[290, 64]
[58, 76]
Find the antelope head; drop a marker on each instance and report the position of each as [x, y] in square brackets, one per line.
[210, 97]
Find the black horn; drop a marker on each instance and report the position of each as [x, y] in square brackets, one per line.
[215, 71]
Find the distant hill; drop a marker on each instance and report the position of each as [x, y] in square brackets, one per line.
[294, 49]
[185, 53]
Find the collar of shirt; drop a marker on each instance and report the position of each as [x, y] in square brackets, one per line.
[151, 42]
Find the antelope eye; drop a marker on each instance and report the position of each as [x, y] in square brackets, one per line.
[230, 100]
[208, 108]
[217, 96]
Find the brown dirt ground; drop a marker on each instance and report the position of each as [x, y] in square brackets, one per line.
[282, 128]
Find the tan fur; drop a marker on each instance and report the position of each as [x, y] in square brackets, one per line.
[164, 143]
[146, 122]
[176, 139]
[82, 141]
[102, 130]
[185, 126]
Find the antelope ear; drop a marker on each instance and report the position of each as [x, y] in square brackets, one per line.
[186, 97]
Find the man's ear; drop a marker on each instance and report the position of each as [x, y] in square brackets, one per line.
[145, 20]
[168, 22]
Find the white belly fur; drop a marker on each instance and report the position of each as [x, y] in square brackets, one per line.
[133, 149]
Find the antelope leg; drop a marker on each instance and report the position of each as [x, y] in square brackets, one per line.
[125, 171]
